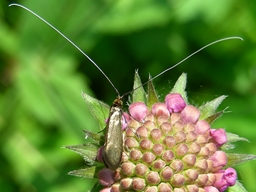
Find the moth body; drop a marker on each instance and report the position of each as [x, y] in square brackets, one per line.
[113, 146]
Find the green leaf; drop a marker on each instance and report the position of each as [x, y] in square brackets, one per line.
[180, 86]
[99, 109]
[138, 94]
[236, 159]
[88, 151]
[90, 172]
[238, 187]
[152, 96]
[208, 110]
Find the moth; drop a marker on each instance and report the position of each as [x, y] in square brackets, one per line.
[113, 148]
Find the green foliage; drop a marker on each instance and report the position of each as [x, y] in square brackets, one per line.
[41, 108]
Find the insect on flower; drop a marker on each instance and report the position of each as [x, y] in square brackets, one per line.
[157, 174]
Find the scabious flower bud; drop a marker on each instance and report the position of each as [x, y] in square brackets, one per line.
[173, 151]
[219, 136]
[174, 102]
[107, 177]
[167, 147]
[138, 111]
[225, 178]
[160, 109]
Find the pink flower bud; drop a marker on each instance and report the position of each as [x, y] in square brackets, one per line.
[219, 136]
[220, 182]
[99, 154]
[230, 176]
[190, 114]
[174, 102]
[202, 127]
[225, 178]
[219, 159]
[125, 119]
[160, 109]
[108, 189]
[138, 111]
[106, 177]
[211, 189]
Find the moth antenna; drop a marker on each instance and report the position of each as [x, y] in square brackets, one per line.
[208, 45]
[55, 29]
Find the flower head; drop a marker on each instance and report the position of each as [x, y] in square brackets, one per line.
[167, 146]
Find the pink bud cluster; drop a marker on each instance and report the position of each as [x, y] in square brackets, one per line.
[169, 148]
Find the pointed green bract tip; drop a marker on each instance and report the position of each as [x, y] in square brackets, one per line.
[180, 86]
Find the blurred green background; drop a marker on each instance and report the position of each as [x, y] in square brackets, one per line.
[42, 75]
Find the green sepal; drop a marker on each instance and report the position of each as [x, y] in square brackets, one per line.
[208, 110]
[88, 151]
[138, 94]
[234, 138]
[180, 87]
[238, 187]
[227, 146]
[89, 172]
[236, 159]
[152, 96]
[213, 117]
[97, 137]
[99, 109]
